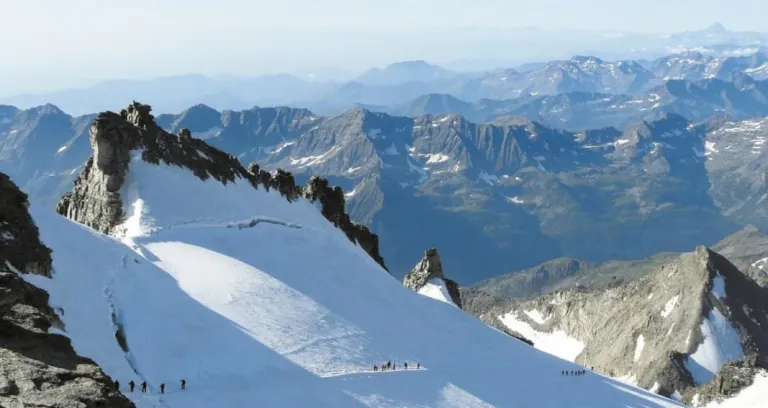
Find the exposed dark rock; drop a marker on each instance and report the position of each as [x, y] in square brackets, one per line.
[19, 240]
[428, 269]
[332, 202]
[38, 368]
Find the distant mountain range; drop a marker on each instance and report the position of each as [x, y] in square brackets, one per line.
[518, 193]
[402, 82]
[741, 98]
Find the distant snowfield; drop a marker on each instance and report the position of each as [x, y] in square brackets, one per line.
[259, 302]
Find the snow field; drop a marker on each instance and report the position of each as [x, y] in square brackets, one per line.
[259, 302]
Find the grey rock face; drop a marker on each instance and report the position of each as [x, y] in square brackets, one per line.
[647, 329]
[38, 368]
[429, 268]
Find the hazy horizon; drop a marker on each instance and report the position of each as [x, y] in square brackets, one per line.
[59, 45]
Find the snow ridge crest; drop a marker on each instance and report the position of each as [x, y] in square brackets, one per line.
[96, 200]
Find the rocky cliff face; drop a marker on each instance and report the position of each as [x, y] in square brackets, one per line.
[38, 368]
[654, 331]
[428, 271]
[96, 201]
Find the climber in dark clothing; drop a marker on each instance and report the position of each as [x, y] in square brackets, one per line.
[117, 385]
[132, 385]
[144, 386]
[418, 366]
[394, 366]
[162, 388]
[183, 384]
[406, 365]
[375, 368]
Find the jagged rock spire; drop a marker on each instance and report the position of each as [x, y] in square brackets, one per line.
[429, 268]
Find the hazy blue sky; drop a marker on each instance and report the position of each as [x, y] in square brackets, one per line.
[59, 43]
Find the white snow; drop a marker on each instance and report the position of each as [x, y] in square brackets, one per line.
[639, 347]
[760, 264]
[350, 194]
[718, 286]
[621, 142]
[753, 396]
[536, 316]
[280, 147]
[710, 147]
[62, 148]
[515, 200]
[313, 160]
[488, 178]
[670, 306]
[352, 169]
[721, 345]
[259, 302]
[7, 236]
[437, 158]
[436, 289]
[655, 387]
[557, 343]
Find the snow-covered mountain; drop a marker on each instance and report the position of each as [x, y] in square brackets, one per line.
[670, 330]
[695, 65]
[253, 295]
[694, 100]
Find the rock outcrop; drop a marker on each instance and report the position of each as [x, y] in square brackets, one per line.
[96, 201]
[427, 271]
[732, 379]
[38, 368]
[649, 330]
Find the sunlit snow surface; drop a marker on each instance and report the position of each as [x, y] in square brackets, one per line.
[721, 345]
[436, 289]
[258, 302]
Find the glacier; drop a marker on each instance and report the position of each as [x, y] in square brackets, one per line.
[256, 301]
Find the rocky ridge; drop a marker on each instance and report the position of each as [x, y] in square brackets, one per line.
[96, 201]
[732, 378]
[38, 366]
[650, 329]
[427, 271]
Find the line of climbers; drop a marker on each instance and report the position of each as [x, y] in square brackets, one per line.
[573, 372]
[393, 366]
[143, 386]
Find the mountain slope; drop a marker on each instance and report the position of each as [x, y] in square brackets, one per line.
[38, 365]
[254, 297]
[671, 330]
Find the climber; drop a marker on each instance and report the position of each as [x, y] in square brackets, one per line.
[144, 386]
[418, 366]
[117, 385]
[406, 365]
[162, 388]
[183, 384]
[375, 368]
[132, 385]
